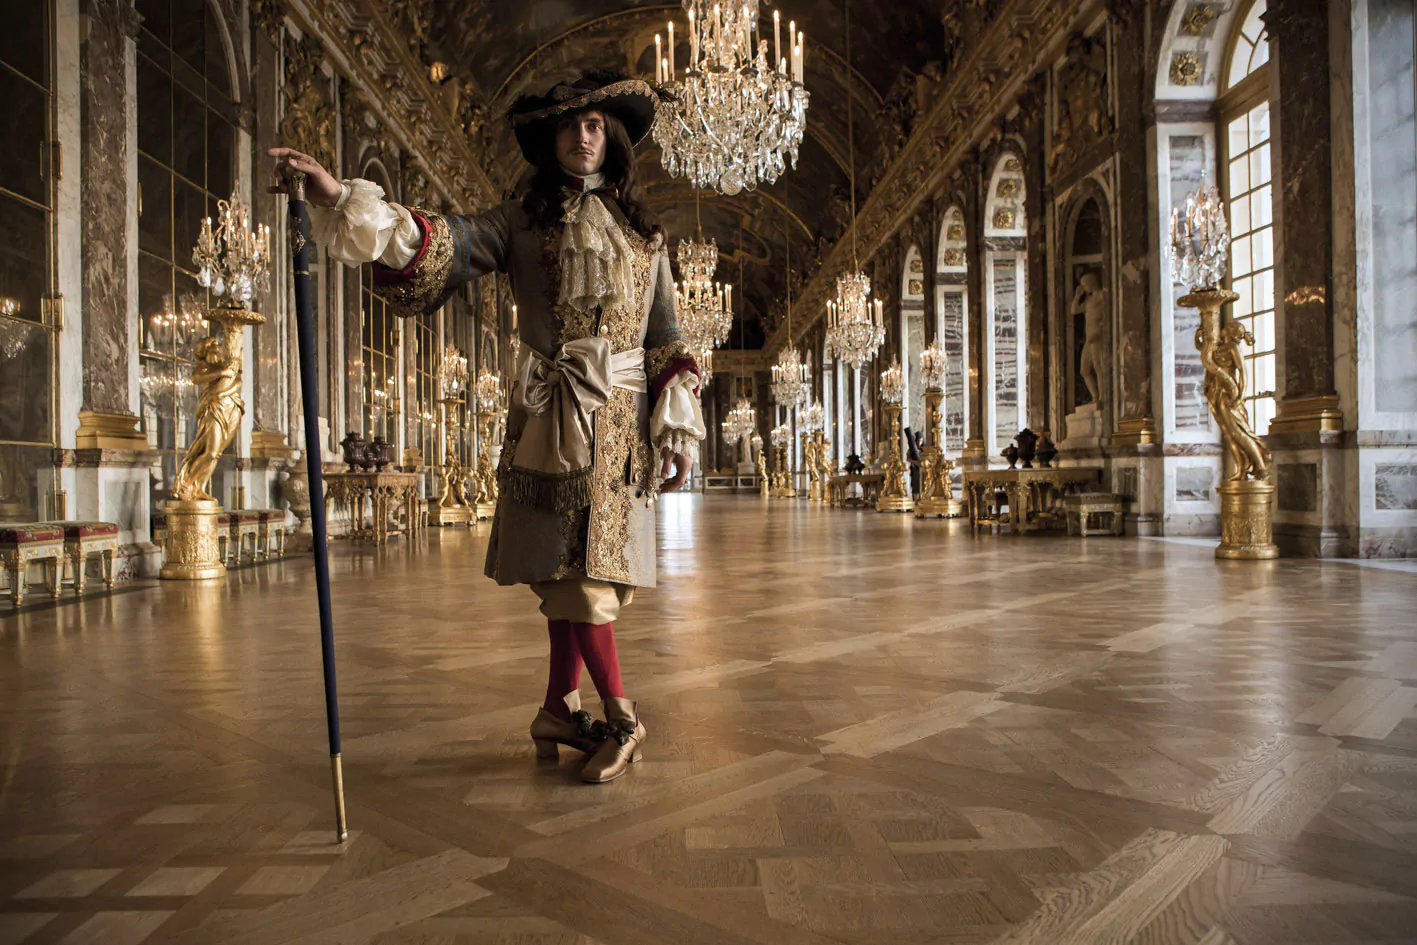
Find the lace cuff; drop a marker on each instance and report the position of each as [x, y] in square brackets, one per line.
[678, 420]
[363, 227]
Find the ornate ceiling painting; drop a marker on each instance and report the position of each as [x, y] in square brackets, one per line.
[484, 53]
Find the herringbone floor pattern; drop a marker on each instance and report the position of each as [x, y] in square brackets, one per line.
[863, 729]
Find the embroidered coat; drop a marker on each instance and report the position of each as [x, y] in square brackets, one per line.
[613, 539]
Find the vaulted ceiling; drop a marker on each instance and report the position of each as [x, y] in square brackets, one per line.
[499, 50]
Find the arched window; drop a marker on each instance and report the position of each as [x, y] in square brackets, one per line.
[951, 270]
[1005, 314]
[186, 163]
[1248, 186]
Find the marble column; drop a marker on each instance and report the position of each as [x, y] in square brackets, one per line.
[1029, 125]
[976, 444]
[1302, 120]
[1135, 424]
[108, 173]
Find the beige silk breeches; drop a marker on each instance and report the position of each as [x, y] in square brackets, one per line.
[583, 600]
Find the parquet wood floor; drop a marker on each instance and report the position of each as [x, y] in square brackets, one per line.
[862, 730]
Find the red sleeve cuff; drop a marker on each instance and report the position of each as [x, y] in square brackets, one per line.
[671, 371]
[387, 275]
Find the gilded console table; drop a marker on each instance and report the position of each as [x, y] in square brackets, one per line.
[1034, 496]
[838, 488]
[377, 493]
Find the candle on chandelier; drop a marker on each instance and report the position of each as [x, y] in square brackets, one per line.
[693, 41]
[791, 53]
[671, 50]
[777, 36]
[801, 57]
[718, 31]
[658, 58]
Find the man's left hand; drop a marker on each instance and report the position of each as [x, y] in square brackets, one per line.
[673, 463]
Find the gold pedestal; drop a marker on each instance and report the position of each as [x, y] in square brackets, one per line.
[1246, 520]
[895, 493]
[937, 499]
[190, 550]
[451, 515]
[484, 511]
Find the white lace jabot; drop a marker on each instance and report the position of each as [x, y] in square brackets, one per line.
[595, 256]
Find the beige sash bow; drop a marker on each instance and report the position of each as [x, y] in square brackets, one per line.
[560, 395]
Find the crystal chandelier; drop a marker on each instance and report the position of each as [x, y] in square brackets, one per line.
[855, 327]
[487, 391]
[1200, 240]
[781, 435]
[814, 418]
[791, 378]
[742, 421]
[453, 373]
[234, 260]
[932, 367]
[737, 117]
[893, 383]
[704, 307]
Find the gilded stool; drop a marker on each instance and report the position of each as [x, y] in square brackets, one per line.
[82, 539]
[22, 544]
[1095, 513]
[234, 528]
[272, 531]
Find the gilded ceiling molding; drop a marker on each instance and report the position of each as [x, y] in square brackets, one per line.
[365, 47]
[970, 100]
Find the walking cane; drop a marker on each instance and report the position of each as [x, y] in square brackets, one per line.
[310, 401]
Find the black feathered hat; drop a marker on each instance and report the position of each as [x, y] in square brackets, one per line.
[534, 117]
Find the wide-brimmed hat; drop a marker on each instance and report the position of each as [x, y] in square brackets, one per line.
[535, 117]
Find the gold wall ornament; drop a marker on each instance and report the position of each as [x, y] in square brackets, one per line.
[1186, 69]
[1246, 495]
[1198, 18]
[1004, 218]
[308, 124]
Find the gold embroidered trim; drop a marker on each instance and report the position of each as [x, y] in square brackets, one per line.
[657, 359]
[424, 289]
[613, 90]
[607, 542]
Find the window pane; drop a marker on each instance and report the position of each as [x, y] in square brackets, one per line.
[1262, 248]
[1239, 136]
[1264, 373]
[1263, 329]
[1258, 173]
[155, 216]
[24, 131]
[24, 383]
[189, 131]
[189, 206]
[154, 299]
[155, 18]
[219, 156]
[1241, 306]
[1264, 291]
[189, 27]
[24, 257]
[1239, 216]
[1259, 124]
[154, 110]
[24, 42]
[1240, 257]
[1261, 208]
[1239, 176]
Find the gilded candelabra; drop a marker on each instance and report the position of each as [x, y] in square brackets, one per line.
[895, 493]
[233, 262]
[489, 403]
[453, 506]
[937, 498]
[782, 481]
[1199, 248]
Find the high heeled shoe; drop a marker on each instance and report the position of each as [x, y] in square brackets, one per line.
[582, 732]
[623, 745]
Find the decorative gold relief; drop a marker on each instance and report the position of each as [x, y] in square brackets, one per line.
[895, 493]
[1199, 18]
[1012, 165]
[915, 287]
[955, 233]
[917, 266]
[936, 491]
[1186, 69]
[954, 257]
[309, 121]
[1009, 188]
[1004, 218]
[1083, 114]
[190, 550]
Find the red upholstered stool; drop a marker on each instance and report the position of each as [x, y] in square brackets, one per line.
[239, 525]
[82, 539]
[22, 544]
[272, 531]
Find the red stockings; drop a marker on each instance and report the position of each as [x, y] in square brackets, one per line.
[572, 644]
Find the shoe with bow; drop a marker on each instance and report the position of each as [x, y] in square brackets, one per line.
[624, 736]
[582, 732]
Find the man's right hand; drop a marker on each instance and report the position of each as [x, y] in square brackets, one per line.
[321, 188]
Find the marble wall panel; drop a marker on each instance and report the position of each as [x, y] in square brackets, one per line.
[1005, 333]
[1395, 487]
[1193, 483]
[105, 197]
[953, 341]
[1394, 194]
[1298, 486]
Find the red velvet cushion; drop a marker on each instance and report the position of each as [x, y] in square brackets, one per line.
[271, 515]
[225, 518]
[73, 530]
[247, 516]
[30, 533]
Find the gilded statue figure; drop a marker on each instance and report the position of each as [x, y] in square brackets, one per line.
[824, 461]
[216, 369]
[763, 465]
[1225, 391]
[452, 492]
[813, 464]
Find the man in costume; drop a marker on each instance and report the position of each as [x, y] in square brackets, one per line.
[604, 410]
